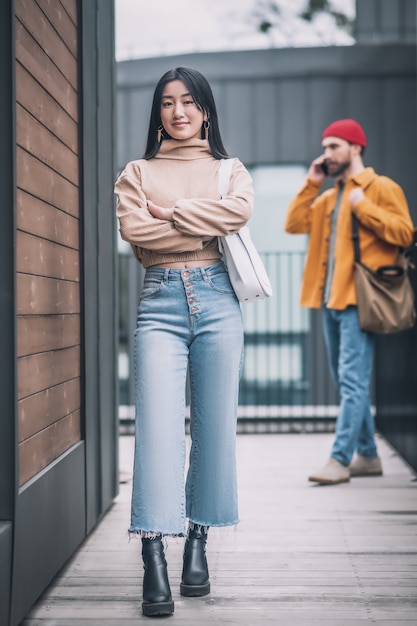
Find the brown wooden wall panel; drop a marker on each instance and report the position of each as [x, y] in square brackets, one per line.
[33, 97]
[37, 295]
[61, 22]
[36, 23]
[39, 65]
[42, 333]
[40, 450]
[46, 407]
[71, 8]
[41, 143]
[46, 258]
[47, 239]
[39, 218]
[41, 371]
[40, 181]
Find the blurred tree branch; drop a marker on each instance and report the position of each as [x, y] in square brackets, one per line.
[269, 16]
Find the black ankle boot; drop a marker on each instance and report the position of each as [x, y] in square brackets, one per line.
[195, 575]
[157, 599]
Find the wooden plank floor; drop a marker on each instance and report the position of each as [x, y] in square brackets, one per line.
[303, 554]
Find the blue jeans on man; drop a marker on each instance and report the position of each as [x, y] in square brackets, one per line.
[350, 352]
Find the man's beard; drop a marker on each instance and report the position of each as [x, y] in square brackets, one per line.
[336, 169]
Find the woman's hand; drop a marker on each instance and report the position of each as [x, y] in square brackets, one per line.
[160, 213]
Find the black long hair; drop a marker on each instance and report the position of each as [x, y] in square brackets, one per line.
[202, 95]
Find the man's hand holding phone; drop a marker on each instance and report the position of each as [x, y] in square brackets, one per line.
[318, 169]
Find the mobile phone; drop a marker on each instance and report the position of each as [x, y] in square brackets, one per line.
[324, 168]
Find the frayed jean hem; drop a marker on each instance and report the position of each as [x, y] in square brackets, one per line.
[146, 534]
[195, 524]
[137, 533]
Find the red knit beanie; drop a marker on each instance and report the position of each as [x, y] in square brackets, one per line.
[348, 129]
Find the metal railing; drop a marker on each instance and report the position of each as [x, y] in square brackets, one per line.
[285, 383]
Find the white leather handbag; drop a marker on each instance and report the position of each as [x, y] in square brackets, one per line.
[247, 273]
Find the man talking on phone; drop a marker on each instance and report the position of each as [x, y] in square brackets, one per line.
[328, 283]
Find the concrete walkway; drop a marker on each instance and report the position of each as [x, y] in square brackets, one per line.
[303, 554]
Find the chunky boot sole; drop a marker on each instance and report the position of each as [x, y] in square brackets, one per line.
[155, 609]
[194, 591]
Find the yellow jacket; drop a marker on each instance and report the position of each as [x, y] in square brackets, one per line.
[385, 224]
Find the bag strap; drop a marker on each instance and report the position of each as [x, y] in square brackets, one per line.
[225, 171]
[355, 238]
[355, 226]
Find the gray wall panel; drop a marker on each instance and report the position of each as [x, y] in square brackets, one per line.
[106, 232]
[273, 63]
[238, 130]
[267, 107]
[133, 112]
[220, 96]
[363, 99]
[409, 19]
[385, 20]
[389, 17]
[292, 130]
[396, 375]
[327, 102]
[217, 88]
[98, 235]
[90, 266]
[50, 525]
[366, 12]
[6, 541]
[140, 103]
[398, 112]
[122, 125]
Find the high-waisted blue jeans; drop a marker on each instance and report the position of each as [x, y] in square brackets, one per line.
[187, 319]
[350, 351]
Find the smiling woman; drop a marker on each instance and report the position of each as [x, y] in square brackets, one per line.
[189, 321]
[180, 116]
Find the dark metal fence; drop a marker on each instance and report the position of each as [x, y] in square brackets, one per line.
[281, 353]
[276, 329]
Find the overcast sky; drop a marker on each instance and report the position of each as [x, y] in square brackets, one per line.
[146, 28]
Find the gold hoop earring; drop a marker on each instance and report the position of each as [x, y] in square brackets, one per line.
[206, 126]
[160, 129]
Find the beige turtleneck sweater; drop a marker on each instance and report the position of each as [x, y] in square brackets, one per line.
[182, 175]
